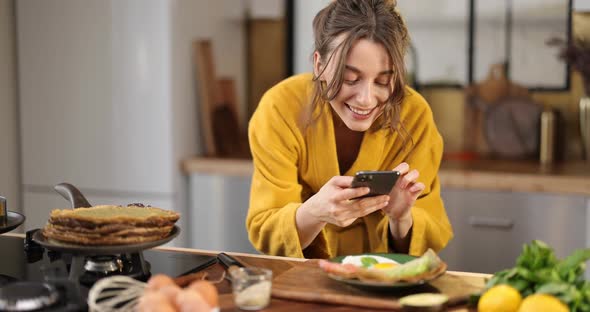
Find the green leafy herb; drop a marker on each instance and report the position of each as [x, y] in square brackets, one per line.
[539, 271]
[368, 262]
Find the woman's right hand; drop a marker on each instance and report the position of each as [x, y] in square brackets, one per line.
[332, 203]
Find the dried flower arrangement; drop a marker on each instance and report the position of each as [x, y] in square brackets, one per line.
[577, 54]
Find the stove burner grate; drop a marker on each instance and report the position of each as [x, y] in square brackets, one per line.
[97, 267]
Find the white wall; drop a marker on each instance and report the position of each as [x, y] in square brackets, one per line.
[305, 11]
[9, 163]
[581, 5]
[94, 80]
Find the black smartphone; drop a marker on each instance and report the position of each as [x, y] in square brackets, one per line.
[379, 182]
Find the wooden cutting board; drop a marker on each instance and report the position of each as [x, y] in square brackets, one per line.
[482, 97]
[307, 282]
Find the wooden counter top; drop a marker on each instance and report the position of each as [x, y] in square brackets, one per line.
[517, 176]
[455, 284]
[493, 175]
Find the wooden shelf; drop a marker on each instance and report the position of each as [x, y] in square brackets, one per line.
[493, 175]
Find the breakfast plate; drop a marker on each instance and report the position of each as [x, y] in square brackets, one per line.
[384, 258]
[55, 245]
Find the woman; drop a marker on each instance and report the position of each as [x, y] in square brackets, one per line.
[311, 133]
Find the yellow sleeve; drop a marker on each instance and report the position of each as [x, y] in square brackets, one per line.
[275, 195]
[431, 228]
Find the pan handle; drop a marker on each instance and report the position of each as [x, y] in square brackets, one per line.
[72, 194]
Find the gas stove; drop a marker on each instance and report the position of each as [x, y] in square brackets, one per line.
[35, 279]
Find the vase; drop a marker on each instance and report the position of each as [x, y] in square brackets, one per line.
[585, 126]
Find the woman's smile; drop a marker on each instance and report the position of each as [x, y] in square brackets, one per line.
[360, 113]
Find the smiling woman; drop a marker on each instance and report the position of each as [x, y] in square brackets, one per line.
[365, 87]
[312, 132]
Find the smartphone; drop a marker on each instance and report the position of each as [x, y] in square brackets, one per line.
[379, 182]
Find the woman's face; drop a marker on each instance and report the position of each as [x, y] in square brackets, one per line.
[366, 84]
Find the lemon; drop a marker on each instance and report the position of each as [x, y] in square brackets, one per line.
[502, 298]
[542, 302]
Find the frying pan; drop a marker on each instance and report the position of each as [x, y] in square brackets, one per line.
[77, 200]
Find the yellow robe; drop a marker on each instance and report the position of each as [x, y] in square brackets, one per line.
[290, 165]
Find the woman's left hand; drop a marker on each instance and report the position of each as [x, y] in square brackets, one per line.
[404, 193]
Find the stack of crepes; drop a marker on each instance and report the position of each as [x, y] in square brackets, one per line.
[110, 225]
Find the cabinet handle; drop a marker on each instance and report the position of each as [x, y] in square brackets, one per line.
[490, 222]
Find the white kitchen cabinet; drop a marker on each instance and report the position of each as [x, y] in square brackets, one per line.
[491, 227]
[217, 214]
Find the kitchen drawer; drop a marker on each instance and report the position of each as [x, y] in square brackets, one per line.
[491, 227]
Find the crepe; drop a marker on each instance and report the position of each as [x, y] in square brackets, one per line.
[131, 231]
[105, 214]
[103, 241]
[110, 225]
[426, 267]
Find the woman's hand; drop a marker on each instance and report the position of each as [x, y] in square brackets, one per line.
[404, 193]
[333, 204]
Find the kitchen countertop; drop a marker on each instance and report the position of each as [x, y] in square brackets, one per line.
[572, 178]
[458, 283]
[469, 282]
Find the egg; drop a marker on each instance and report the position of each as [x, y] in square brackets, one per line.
[189, 300]
[170, 291]
[370, 261]
[384, 266]
[207, 291]
[158, 281]
[153, 301]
